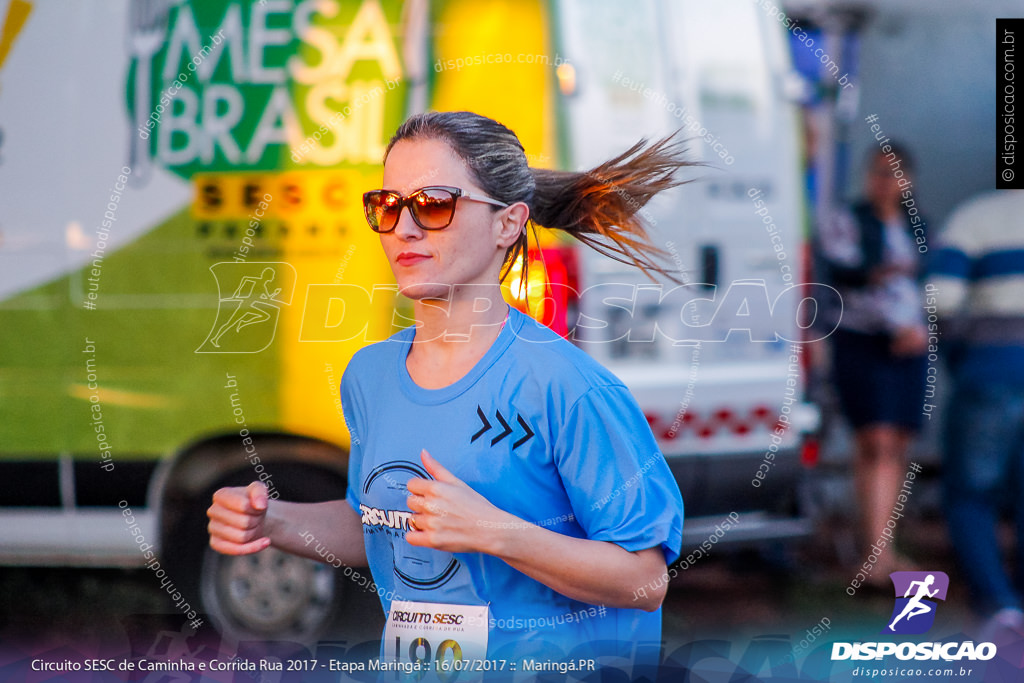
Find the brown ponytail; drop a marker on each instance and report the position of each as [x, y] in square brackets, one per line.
[602, 207]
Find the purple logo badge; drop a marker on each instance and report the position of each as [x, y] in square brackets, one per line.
[916, 593]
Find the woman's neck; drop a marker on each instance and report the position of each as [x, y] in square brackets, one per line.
[887, 211]
[453, 334]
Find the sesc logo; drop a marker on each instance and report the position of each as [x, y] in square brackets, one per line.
[916, 592]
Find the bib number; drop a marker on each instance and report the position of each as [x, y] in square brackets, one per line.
[436, 637]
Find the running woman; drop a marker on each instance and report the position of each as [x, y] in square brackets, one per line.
[504, 488]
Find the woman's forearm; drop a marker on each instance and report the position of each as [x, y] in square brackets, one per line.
[595, 572]
[451, 516]
[314, 530]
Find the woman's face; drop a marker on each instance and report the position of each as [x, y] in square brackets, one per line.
[881, 186]
[429, 263]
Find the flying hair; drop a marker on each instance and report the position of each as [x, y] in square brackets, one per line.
[602, 207]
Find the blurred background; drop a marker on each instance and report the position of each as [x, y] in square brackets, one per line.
[185, 271]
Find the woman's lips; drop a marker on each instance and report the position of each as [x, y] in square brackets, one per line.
[409, 258]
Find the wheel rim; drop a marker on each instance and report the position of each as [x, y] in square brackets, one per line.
[268, 593]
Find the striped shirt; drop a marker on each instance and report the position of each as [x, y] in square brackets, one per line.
[978, 274]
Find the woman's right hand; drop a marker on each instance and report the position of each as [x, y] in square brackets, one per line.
[909, 341]
[882, 274]
[237, 519]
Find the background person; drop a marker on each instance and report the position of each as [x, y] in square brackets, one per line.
[878, 362]
[480, 438]
[978, 273]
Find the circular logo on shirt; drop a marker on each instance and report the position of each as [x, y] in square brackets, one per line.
[386, 512]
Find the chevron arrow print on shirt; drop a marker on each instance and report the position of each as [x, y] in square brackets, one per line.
[506, 428]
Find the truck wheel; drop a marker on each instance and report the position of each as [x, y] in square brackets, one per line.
[269, 595]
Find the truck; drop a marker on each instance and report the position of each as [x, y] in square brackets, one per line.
[185, 270]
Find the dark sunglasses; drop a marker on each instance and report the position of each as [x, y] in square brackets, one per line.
[432, 208]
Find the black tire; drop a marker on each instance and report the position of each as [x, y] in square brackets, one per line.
[270, 595]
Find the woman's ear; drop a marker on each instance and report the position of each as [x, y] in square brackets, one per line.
[512, 223]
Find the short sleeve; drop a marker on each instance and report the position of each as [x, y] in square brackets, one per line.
[617, 480]
[352, 407]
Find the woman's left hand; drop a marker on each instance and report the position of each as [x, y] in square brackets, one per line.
[450, 516]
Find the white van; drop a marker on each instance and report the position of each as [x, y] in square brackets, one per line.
[717, 365]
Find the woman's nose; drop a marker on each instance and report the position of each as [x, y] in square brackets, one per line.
[405, 227]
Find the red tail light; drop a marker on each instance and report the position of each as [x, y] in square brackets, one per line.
[807, 260]
[810, 453]
[549, 291]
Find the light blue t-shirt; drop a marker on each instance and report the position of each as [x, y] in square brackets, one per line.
[542, 431]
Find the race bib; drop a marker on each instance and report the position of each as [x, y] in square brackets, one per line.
[434, 635]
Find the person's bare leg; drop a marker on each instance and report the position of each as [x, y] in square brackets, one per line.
[888, 482]
[878, 478]
[863, 475]
[904, 439]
